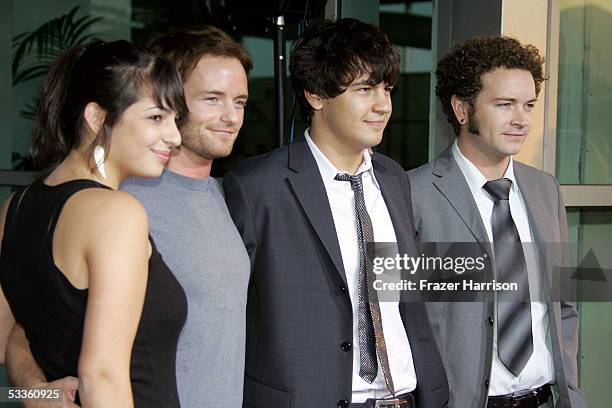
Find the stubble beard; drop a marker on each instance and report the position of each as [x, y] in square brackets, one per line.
[473, 127]
[196, 140]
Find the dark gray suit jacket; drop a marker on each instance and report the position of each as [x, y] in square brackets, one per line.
[445, 211]
[299, 313]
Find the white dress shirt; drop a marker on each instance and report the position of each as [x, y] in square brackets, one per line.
[342, 202]
[540, 368]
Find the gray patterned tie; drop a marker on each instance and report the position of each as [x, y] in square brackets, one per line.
[514, 337]
[369, 323]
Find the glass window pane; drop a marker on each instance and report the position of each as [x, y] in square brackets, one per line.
[409, 25]
[590, 230]
[584, 122]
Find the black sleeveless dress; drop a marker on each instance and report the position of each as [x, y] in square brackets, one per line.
[52, 311]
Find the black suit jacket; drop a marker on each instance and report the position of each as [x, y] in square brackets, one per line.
[299, 311]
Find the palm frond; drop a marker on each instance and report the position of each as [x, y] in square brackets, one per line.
[32, 71]
[35, 49]
[74, 35]
[29, 111]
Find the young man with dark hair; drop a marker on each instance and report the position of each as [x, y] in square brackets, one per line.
[503, 351]
[190, 223]
[317, 336]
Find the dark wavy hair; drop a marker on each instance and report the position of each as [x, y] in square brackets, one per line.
[327, 57]
[114, 75]
[460, 71]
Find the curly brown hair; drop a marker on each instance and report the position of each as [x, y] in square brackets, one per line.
[460, 71]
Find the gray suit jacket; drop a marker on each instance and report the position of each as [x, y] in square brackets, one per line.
[445, 211]
[299, 314]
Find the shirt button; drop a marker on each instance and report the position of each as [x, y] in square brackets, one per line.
[487, 382]
[490, 320]
[343, 289]
[346, 346]
[343, 404]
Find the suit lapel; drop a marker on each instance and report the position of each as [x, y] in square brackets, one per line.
[453, 186]
[536, 210]
[312, 196]
[396, 204]
[413, 314]
[538, 216]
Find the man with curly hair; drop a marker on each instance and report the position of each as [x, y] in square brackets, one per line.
[502, 351]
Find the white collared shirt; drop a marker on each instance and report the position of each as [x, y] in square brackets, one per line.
[540, 367]
[342, 202]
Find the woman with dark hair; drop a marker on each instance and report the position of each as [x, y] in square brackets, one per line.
[77, 267]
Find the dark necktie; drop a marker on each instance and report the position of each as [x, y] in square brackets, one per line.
[369, 323]
[514, 337]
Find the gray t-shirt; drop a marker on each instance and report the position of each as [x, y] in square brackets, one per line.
[192, 229]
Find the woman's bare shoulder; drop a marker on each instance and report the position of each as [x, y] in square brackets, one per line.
[104, 211]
